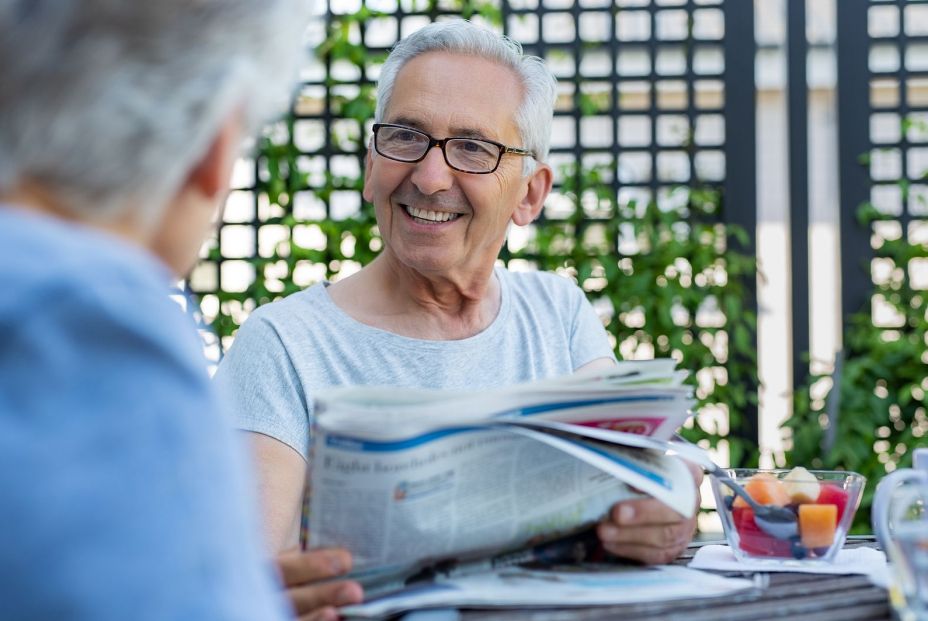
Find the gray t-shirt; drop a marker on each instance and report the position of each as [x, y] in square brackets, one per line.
[290, 349]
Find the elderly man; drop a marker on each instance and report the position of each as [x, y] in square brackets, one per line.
[458, 153]
[124, 490]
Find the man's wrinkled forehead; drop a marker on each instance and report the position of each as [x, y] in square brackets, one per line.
[466, 95]
[462, 124]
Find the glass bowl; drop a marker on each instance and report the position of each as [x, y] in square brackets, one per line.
[824, 502]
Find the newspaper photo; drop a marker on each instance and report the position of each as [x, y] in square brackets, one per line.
[409, 480]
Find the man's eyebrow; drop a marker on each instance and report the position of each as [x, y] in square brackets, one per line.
[470, 132]
[408, 122]
[457, 132]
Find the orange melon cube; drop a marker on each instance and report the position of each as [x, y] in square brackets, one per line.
[817, 525]
[765, 489]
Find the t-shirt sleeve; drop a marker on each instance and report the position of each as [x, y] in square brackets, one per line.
[589, 340]
[129, 498]
[257, 376]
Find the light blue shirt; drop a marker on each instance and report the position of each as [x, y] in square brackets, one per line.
[123, 493]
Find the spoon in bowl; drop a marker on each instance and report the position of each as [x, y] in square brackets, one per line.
[778, 522]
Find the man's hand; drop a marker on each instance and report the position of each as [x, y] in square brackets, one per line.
[648, 531]
[301, 570]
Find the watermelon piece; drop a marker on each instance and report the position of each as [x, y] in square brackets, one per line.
[753, 540]
[832, 494]
[817, 525]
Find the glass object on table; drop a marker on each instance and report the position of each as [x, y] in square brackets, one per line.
[824, 502]
[900, 521]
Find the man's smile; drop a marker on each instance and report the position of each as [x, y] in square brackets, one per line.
[428, 216]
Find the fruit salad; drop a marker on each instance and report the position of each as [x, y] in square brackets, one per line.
[824, 503]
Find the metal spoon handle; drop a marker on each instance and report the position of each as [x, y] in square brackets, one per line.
[723, 478]
[693, 453]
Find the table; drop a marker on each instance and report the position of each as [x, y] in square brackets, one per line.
[786, 596]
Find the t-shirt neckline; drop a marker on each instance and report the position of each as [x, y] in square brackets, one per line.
[334, 311]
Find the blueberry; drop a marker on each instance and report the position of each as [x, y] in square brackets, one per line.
[798, 550]
[729, 501]
[821, 551]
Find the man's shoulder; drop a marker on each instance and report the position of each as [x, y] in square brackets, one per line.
[310, 300]
[45, 262]
[87, 297]
[539, 283]
[302, 321]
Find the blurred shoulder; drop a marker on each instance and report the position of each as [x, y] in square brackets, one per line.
[44, 257]
[539, 283]
[310, 301]
[67, 282]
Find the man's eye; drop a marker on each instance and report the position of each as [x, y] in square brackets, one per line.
[474, 148]
[404, 135]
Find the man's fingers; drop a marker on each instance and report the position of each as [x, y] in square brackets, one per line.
[645, 531]
[643, 554]
[312, 599]
[323, 614]
[696, 471]
[640, 512]
[299, 567]
[673, 536]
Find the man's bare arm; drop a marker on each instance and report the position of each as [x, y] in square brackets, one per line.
[599, 363]
[281, 478]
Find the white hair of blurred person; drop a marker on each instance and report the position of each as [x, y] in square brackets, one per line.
[105, 105]
[535, 113]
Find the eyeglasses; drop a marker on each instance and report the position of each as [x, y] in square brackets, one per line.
[469, 155]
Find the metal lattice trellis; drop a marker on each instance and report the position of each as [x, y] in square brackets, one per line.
[658, 93]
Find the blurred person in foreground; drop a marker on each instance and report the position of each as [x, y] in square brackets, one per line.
[125, 493]
[461, 136]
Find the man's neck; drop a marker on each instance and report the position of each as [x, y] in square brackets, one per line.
[394, 298]
[32, 198]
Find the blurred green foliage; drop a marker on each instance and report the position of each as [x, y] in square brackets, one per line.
[679, 283]
[870, 414]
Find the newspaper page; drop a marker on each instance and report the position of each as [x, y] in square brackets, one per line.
[400, 506]
[412, 479]
[555, 587]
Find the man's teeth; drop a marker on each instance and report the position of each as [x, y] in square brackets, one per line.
[431, 216]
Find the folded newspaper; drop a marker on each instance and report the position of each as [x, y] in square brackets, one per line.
[555, 587]
[415, 482]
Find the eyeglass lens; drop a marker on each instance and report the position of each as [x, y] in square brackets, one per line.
[408, 145]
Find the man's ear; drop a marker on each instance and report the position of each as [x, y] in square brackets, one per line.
[210, 175]
[537, 190]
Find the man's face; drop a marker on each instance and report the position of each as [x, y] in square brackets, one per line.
[447, 95]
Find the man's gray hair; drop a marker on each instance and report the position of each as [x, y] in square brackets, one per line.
[107, 105]
[535, 112]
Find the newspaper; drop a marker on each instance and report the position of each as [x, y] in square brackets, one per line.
[555, 587]
[414, 481]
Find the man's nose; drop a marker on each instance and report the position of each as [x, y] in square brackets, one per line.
[432, 174]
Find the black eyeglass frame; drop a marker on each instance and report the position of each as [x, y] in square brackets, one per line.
[503, 149]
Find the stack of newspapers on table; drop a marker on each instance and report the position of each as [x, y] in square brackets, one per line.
[418, 483]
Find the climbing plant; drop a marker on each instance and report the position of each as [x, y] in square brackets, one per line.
[671, 277]
[870, 414]
[674, 281]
